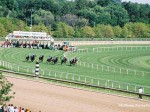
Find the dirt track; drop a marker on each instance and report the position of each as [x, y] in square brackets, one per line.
[51, 98]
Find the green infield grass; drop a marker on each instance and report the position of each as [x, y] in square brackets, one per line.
[131, 60]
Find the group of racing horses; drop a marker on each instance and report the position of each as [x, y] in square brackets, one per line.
[51, 59]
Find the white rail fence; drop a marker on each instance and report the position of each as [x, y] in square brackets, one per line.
[120, 48]
[73, 77]
[108, 68]
[113, 69]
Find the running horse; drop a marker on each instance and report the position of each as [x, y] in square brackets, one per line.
[63, 60]
[32, 57]
[55, 60]
[27, 58]
[41, 58]
[73, 61]
[49, 59]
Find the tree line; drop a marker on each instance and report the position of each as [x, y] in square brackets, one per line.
[78, 18]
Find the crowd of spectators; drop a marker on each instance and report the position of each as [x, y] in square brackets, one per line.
[21, 44]
[12, 108]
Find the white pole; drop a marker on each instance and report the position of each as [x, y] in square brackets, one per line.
[18, 68]
[79, 78]
[127, 87]
[73, 77]
[37, 69]
[85, 79]
[112, 85]
[119, 86]
[27, 70]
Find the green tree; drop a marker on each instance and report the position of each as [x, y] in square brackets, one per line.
[125, 33]
[5, 89]
[97, 30]
[64, 30]
[40, 28]
[117, 31]
[3, 32]
[107, 31]
[88, 32]
[43, 16]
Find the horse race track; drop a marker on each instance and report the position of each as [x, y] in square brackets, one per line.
[122, 65]
[51, 98]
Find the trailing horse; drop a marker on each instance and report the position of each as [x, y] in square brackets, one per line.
[41, 58]
[55, 60]
[73, 61]
[27, 58]
[64, 60]
[49, 59]
[32, 57]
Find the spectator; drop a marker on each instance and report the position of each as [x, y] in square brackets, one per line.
[11, 108]
[16, 109]
[22, 110]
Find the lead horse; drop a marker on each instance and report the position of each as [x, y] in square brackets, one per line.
[73, 61]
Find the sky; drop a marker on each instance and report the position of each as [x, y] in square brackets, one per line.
[139, 1]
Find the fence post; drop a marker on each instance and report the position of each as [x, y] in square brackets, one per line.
[79, 78]
[119, 86]
[97, 67]
[49, 74]
[37, 69]
[55, 74]
[92, 66]
[27, 70]
[85, 79]
[18, 68]
[127, 87]
[72, 77]
[112, 84]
